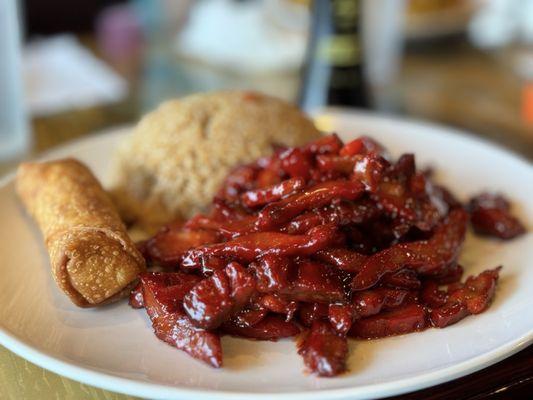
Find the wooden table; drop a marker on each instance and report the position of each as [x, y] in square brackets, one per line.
[459, 86]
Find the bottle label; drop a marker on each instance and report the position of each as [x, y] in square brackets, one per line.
[340, 50]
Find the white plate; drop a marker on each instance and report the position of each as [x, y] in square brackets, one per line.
[114, 347]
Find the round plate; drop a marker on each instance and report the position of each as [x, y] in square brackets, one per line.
[114, 348]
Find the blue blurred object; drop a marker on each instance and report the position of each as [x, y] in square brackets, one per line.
[14, 131]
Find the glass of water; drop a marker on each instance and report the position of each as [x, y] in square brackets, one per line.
[14, 128]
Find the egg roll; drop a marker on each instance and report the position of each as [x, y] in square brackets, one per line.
[92, 258]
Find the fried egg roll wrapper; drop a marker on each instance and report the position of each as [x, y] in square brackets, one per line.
[93, 259]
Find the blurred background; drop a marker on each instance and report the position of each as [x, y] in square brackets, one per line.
[70, 68]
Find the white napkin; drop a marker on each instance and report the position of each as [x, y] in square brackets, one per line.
[236, 36]
[60, 74]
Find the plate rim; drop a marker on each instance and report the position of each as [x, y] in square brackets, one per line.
[134, 387]
[109, 381]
